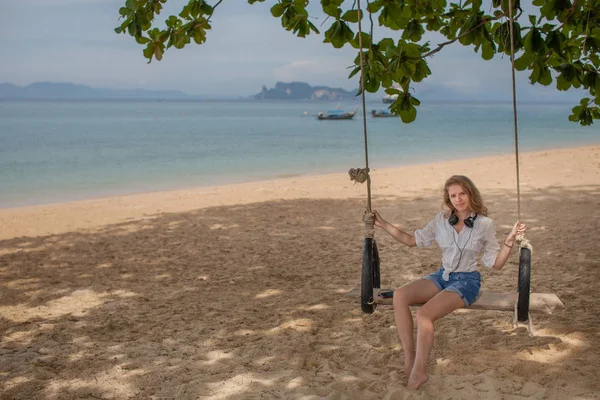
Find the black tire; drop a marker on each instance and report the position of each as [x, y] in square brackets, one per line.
[376, 263]
[367, 277]
[524, 285]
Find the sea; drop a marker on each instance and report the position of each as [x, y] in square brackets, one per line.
[58, 151]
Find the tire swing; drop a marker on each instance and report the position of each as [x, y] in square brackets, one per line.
[524, 285]
[370, 277]
[520, 302]
[525, 249]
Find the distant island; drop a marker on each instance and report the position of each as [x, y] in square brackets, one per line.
[281, 91]
[53, 90]
[68, 90]
[303, 91]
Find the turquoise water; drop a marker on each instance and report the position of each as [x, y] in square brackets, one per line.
[70, 150]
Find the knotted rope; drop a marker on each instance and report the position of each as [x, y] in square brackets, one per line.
[361, 175]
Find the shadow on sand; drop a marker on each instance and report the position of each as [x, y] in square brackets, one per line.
[247, 302]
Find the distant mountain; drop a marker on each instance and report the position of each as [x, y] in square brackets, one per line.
[303, 91]
[51, 90]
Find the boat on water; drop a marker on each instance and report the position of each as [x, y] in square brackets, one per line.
[381, 114]
[337, 114]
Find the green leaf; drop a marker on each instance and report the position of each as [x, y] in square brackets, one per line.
[534, 43]
[555, 40]
[413, 31]
[338, 34]
[372, 85]
[277, 10]
[523, 62]
[386, 81]
[412, 50]
[487, 51]
[366, 40]
[562, 84]
[535, 74]
[125, 12]
[142, 40]
[354, 72]
[332, 10]
[384, 43]
[185, 12]
[173, 22]
[415, 101]
[158, 52]
[350, 16]
[149, 51]
[545, 75]
[409, 115]
[374, 6]
[422, 71]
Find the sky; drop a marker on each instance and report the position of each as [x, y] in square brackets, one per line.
[74, 41]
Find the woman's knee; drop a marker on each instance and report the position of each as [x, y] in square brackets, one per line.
[422, 316]
[400, 297]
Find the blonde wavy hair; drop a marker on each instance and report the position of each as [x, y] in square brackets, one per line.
[475, 199]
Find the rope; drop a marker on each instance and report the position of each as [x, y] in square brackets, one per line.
[364, 113]
[520, 238]
[362, 174]
[359, 175]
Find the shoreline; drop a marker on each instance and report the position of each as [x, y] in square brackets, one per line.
[60, 217]
[92, 195]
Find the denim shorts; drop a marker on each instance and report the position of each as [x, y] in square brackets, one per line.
[464, 284]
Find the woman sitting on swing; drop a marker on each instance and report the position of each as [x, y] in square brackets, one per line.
[462, 233]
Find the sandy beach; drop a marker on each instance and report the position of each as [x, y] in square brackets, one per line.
[240, 291]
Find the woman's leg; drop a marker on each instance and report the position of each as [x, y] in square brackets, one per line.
[415, 292]
[439, 306]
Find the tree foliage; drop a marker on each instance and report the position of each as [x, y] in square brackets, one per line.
[557, 42]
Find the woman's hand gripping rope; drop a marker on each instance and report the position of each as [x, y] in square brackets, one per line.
[517, 234]
[369, 220]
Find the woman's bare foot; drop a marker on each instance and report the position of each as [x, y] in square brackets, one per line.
[416, 379]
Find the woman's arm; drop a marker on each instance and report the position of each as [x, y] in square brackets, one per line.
[395, 232]
[509, 242]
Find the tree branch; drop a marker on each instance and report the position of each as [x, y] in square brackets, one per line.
[571, 12]
[214, 8]
[485, 21]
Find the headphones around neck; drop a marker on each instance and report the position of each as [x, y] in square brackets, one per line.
[469, 222]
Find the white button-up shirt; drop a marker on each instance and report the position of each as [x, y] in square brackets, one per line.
[460, 250]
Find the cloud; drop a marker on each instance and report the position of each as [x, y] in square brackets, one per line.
[331, 72]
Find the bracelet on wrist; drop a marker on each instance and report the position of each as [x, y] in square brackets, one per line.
[508, 245]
